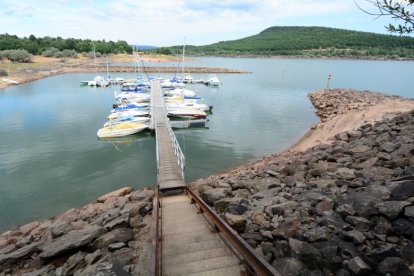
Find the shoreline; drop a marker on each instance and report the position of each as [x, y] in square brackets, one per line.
[41, 74]
[117, 225]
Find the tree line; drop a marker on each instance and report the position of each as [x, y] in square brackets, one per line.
[310, 42]
[38, 45]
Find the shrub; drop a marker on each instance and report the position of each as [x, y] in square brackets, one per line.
[70, 53]
[17, 55]
[90, 54]
[58, 54]
[50, 52]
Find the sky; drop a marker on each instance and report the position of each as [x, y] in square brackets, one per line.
[178, 22]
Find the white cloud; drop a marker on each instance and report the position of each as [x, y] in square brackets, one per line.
[161, 22]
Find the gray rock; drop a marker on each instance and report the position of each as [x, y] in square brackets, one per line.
[356, 236]
[286, 230]
[117, 235]
[388, 147]
[407, 252]
[358, 266]
[222, 204]
[409, 211]
[360, 223]
[345, 173]
[123, 255]
[72, 240]
[104, 269]
[237, 222]
[289, 266]
[382, 225]
[93, 257]
[237, 209]
[74, 263]
[60, 228]
[375, 173]
[119, 222]
[323, 206]
[44, 271]
[345, 210]
[144, 195]
[211, 196]
[403, 190]
[116, 246]
[391, 209]
[308, 254]
[316, 234]
[19, 254]
[393, 266]
[284, 208]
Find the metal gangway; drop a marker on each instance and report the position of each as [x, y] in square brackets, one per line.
[188, 237]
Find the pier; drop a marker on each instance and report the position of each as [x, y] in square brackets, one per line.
[188, 237]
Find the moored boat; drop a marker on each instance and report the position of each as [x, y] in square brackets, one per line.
[121, 129]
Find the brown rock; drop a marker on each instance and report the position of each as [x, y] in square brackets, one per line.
[117, 193]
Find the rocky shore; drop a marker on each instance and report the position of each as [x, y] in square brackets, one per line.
[110, 237]
[344, 207]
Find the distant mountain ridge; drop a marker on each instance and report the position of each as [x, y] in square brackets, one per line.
[310, 42]
[144, 47]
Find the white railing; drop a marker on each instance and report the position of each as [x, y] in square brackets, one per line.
[177, 149]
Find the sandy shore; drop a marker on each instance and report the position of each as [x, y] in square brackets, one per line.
[324, 132]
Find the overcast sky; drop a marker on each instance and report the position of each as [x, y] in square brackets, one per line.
[177, 22]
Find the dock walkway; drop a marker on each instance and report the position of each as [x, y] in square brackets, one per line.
[188, 238]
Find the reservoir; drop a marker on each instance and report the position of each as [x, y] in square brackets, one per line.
[51, 159]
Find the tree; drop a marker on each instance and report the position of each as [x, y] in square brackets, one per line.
[401, 10]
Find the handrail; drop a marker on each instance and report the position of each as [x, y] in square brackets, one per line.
[155, 263]
[254, 261]
[177, 150]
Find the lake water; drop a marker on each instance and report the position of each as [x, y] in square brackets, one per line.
[51, 159]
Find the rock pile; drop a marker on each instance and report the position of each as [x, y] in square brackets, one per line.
[333, 102]
[111, 236]
[345, 208]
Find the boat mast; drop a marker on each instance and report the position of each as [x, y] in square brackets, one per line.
[182, 70]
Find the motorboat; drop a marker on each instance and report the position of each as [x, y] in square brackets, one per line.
[213, 80]
[188, 113]
[188, 79]
[132, 112]
[121, 129]
[180, 92]
[131, 105]
[128, 118]
[192, 105]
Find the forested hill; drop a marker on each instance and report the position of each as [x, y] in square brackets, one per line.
[310, 41]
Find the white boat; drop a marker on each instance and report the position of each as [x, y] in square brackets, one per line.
[213, 80]
[180, 92]
[121, 129]
[132, 112]
[127, 119]
[192, 105]
[188, 113]
[188, 79]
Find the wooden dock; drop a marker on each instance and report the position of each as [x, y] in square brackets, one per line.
[188, 238]
[170, 174]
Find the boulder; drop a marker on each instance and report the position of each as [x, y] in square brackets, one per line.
[360, 223]
[409, 211]
[402, 190]
[286, 230]
[393, 266]
[119, 222]
[355, 236]
[237, 222]
[213, 195]
[144, 195]
[345, 173]
[289, 266]
[19, 254]
[106, 268]
[117, 193]
[358, 266]
[117, 235]
[222, 204]
[72, 240]
[391, 209]
[316, 234]
[305, 252]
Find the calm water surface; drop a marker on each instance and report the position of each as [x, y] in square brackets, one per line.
[51, 159]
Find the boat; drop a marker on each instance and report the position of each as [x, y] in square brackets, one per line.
[131, 105]
[188, 79]
[132, 112]
[187, 113]
[129, 118]
[192, 105]
[121, 129]
[180, 92]
[213, 80]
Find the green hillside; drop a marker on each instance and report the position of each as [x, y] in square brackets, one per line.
[310, 42]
